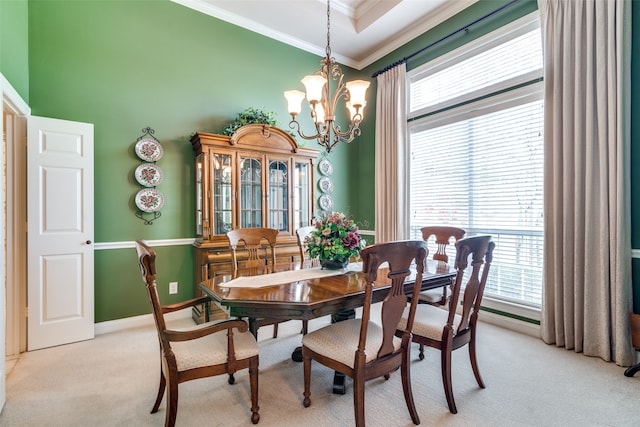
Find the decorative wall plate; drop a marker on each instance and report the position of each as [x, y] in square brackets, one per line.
[326, 202]
[325, 184]
[149, 150]
[148, 174]
[149, 200]
[325, 166]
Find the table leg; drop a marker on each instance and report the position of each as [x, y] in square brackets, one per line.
[296, 356]
[339, 380]
[253, 327]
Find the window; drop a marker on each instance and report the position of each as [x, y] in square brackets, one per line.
[475, 134]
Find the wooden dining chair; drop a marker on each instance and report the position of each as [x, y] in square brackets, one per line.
[443, 236]
[260, 259]
[446, 330]
[364, 349]
[206, 350]
[302, 233]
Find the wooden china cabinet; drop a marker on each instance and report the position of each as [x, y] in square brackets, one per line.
[257, 177]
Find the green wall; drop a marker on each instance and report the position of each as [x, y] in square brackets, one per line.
[126, 65]
[14, 45]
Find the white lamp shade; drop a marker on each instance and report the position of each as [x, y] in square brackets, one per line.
[357, 91]
[313, 85]
[294, 101]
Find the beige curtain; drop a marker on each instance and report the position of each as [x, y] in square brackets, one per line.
[391, 173]
[588, 291]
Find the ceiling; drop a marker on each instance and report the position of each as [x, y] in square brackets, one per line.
[362, 31]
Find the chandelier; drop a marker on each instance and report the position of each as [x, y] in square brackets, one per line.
[323, 103]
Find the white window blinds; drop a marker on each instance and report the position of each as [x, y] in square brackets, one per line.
[478, 164]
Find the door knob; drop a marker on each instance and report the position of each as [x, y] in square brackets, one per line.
[88, 242]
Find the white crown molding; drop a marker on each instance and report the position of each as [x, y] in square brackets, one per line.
[217, 12]
[363, 12]
[412, 32]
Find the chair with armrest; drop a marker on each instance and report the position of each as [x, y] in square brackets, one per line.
[364, 349]
[261, 259]
[446, 330]
[205, 350]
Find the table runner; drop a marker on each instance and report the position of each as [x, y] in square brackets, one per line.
[287, 276]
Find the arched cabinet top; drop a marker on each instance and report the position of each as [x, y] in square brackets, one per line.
[258, 137]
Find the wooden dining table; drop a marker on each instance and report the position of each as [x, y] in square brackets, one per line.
[305, 298]
[296, 294]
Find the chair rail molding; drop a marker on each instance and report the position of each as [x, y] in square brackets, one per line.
[132, 244]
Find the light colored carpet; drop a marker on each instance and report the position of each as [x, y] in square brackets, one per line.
[112, 381]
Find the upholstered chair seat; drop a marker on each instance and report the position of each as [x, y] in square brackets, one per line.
[428, 321]
[212, 349]
[339, 341]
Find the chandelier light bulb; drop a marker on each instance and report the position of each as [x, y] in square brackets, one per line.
[356, 114]
[319, 110]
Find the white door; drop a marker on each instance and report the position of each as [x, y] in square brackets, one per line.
[60, 232]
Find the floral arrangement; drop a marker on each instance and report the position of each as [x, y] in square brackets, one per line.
[335, 238]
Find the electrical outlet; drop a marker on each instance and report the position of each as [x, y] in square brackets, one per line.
[173, 287]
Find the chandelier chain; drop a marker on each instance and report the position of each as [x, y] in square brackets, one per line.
[328, 50]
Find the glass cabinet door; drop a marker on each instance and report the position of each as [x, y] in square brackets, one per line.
[250, 192]
[278, 195]
[221, 193]
[199, 194]
[301, 195]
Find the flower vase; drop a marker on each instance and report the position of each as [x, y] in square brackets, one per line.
[332, 264]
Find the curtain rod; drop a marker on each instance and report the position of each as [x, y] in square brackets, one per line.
[465, 28]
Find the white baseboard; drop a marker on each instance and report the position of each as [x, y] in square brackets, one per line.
[136, 321]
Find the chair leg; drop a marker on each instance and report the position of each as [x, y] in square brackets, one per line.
[474, 360]
[421, 354]
[446, 378]
[307, 379]
[275, 330]
[406, 386]
[358, 401]
[232, 379]
[163, 384]
[172, 403]
[253, 379]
